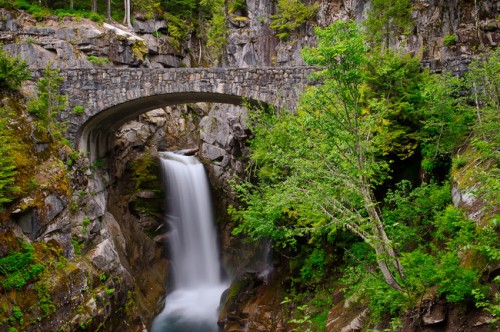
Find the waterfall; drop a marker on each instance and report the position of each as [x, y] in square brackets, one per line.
[197, 285]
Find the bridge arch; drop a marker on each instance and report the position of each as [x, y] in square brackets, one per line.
[96, 135]
[112, 96]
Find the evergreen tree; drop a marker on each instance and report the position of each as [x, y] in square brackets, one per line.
[13, 72]
[48, 104]
[7, 165]
[388, 19]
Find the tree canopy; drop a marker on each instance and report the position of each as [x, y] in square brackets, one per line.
[329, 168]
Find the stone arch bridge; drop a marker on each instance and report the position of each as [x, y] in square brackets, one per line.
[112, 96]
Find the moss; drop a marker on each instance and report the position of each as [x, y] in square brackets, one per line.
[469, 172]
[22, 306]
[37, 172]
[139, 49]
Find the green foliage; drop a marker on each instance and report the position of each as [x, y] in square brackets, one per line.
[291, 15]
[98, 60]
[362, 285]
[44, 301]
[7, 162]
[409, 212]
[491, 306]
[64, 12]
[178, 30]
[37, 11]
[150, 9]
[437, 245]
[17, 312]
[157, 34]
[483, 80]
[237, 6]
[314, 266]
[303, 319]
[388, 19]
[13, 72]
[308, 310]
[6, 4]
[18, 268]
[77, 246]
[78, 110]
[418, 111]
[455, 281]
[143, 172]
[392, 89]
[445, 118]
[85, 223]
[375, 106]
[216, 36]
[450, 39]
[316, 169]
[48, 104]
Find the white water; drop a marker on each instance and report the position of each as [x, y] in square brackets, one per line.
[196, 271]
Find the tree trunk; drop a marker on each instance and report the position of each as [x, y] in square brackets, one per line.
[387, 259]
[108, 10]
[94, 6]
[126, 19]
[71, 5]
[385, 268]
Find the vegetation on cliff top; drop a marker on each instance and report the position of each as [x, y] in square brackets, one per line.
[185, 19]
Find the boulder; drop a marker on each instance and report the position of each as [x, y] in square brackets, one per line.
[53, 206]
[148, 26]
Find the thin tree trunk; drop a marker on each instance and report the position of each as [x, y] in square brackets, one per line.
[126, 19]
[94, 6]
[71, 5]
[387, 259]
[108, 10]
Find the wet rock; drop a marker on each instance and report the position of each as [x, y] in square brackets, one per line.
[435, 314]
[482, 320]
[105, 257]
[215, 154]
[357, 323]
[346, 315]
[29, 222]
[251, 305]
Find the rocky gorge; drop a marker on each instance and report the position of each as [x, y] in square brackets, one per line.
[98, 224]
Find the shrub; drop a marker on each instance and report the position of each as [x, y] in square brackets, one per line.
[48, 104]
[450, 40]
[98, 60]
[7, 162]
[292, 14]
[78, 110]
[236, 5]
[18, 268]
[13, 72]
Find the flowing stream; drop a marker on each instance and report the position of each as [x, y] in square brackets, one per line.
[197, 284]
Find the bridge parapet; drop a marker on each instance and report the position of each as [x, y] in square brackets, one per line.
[112, 96]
